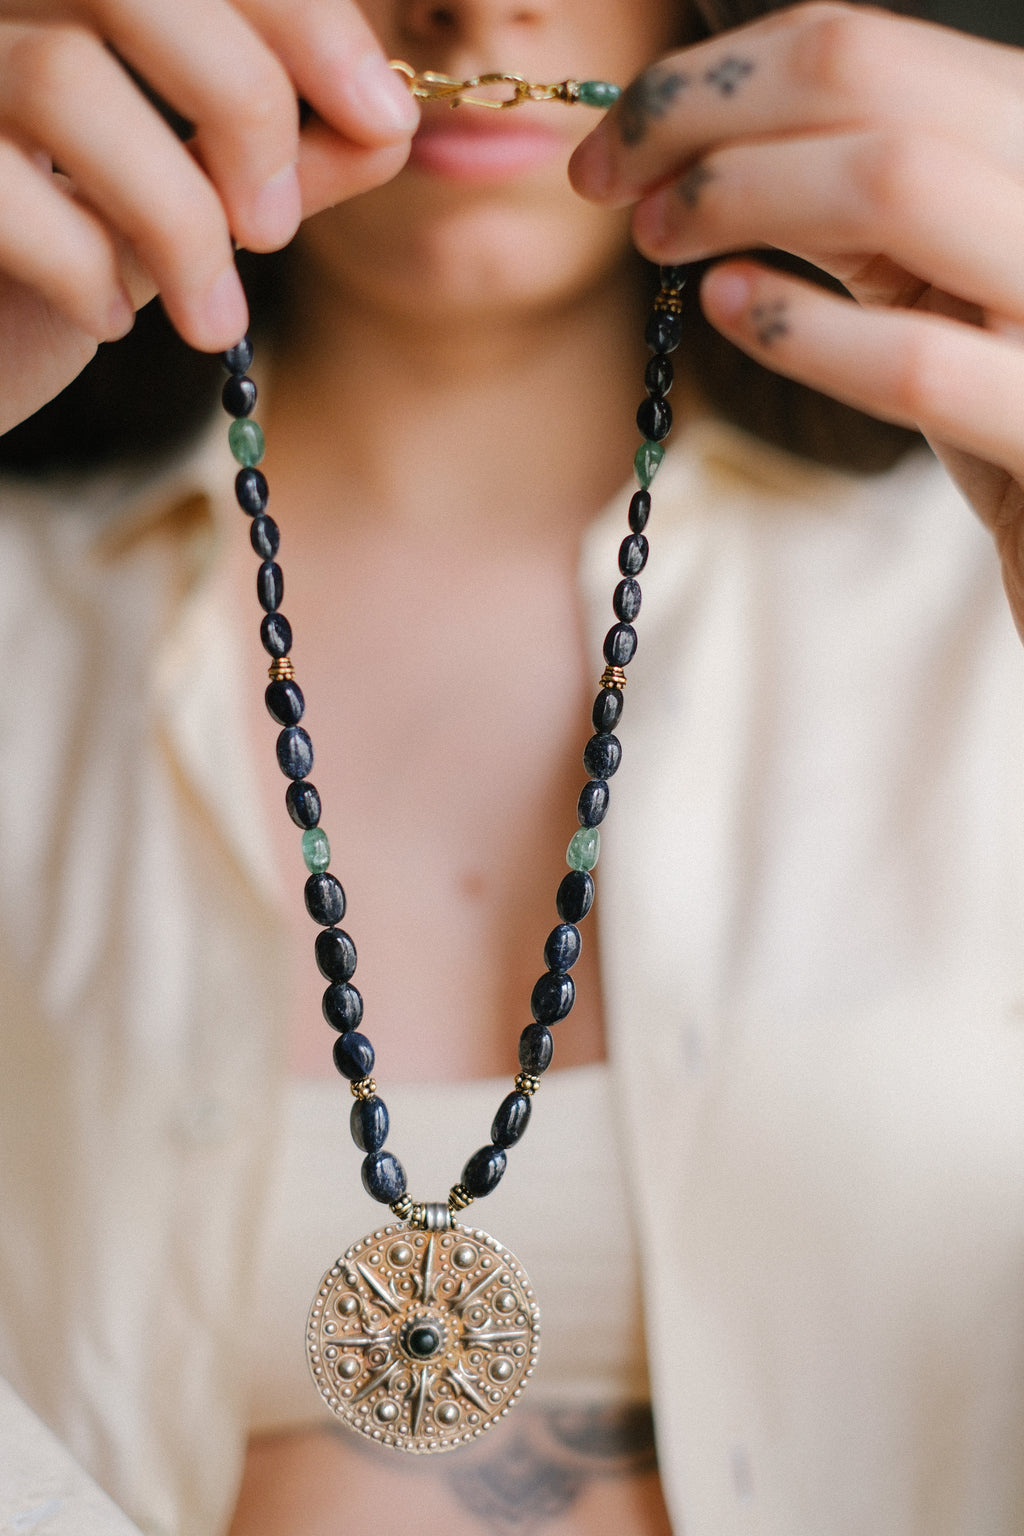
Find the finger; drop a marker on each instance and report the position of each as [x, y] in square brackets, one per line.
[210, 65]
[953, 382]
[59, 250]
[338, 66]
[61, 88]
[332, 169]
[235, 78]
[807, 69]
[878, 192]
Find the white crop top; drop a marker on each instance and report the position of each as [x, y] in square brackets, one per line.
[561, 1208]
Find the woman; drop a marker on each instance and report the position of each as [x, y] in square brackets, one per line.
[809, 951]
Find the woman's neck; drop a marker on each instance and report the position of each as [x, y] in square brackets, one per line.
[509, 421]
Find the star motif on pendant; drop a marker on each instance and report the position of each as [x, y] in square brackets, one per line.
[423, 1339]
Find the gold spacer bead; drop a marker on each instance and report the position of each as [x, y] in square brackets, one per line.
[613, 677]
[668, 301]
[459, 1197]
[364, 1088]
[281, 670]
[403, 1207]
[527, 1083]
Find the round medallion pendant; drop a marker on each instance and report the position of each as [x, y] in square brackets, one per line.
[423, 1340]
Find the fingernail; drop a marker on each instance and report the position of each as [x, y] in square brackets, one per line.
[650, 221]
[277, 208]
[728, 291]
[120, 317]
[224, 310]
[592, 167]
[382, 97]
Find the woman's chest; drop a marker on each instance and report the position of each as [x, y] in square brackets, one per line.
[447, 701]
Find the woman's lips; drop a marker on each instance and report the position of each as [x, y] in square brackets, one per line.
[470, 144]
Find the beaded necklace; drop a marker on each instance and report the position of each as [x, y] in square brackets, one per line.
[424, 1334]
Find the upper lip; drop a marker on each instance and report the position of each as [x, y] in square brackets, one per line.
[478, 123]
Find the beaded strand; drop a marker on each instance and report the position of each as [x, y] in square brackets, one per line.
[554, 994]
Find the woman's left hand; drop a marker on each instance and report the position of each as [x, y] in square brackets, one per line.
[887, 152]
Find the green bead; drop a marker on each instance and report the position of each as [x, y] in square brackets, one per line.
[245, 439]
[584, 848]
[646, 462]
[316, 850]
[598, 93]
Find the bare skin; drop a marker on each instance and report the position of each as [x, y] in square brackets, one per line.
[554, 1473]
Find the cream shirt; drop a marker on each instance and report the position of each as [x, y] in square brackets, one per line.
[812, 906]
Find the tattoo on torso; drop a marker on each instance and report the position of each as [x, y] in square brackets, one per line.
[534, 1468]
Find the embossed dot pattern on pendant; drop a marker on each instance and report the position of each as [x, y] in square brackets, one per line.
[423, 1340]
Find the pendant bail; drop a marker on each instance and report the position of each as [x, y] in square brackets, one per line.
[429, 1216]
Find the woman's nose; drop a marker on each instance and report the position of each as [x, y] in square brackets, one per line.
[468, 23]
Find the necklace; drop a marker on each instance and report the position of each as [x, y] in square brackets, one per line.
[424, 1334]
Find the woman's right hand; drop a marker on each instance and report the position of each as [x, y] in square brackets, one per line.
[131, 210]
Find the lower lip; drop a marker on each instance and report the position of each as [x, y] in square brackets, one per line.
[484, 157]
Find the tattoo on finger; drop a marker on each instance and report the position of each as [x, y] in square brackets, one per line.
[654, 92]
[649, 97]
[771, 321]
[693, 183]
[727, 77]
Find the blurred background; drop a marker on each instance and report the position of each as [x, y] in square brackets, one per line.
[1002, 20]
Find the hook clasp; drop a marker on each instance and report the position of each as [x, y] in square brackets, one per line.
[430, 86]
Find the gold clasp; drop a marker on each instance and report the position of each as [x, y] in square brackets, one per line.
[430, 86]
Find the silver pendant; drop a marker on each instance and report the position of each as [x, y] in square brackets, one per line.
[422, 1340]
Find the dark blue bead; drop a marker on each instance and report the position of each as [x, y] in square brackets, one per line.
[284, 701]
[484, 1170]
[353, 1056]
[270, 585]
[294, 752]
[264, 536]
[654, 418]
[335, 954]
[303, 802]
[325, 899]
[238, 395]
[658, 375]
[383, 1174]
[552, 997]
[575, 896]
[238, 359]
[592, 805]
[369, 1124]
[633, 552]
[511, 1120]
[607, 711]
[602, 755]
[343, 1006]
[563, 946]
[627, 599]
[620, 645]
[536, 1048]
[664, 331]
[639, 510]
[276, 634]
[674, 278]
[252, 491]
